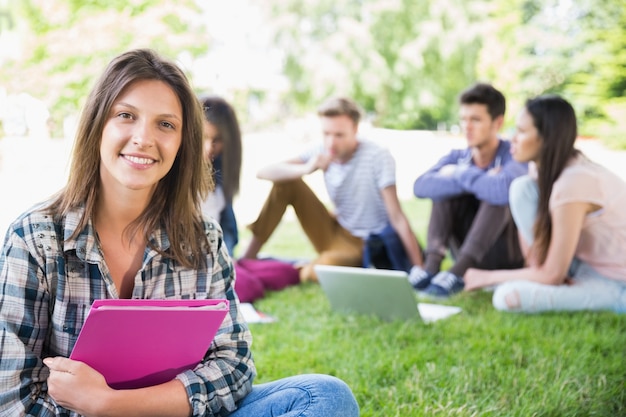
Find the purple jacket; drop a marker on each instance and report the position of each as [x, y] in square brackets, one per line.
[469, 179]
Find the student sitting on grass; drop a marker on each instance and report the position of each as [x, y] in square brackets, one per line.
[469, 189]
[223, 148]
[128, 225]
[571, 219]
[367, 223]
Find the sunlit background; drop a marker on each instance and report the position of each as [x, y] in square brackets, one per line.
[404, 61]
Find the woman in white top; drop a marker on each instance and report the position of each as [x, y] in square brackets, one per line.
[571, 219]
[223, 147]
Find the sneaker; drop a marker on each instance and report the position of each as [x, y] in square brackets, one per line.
[443, 285]
[419, 278]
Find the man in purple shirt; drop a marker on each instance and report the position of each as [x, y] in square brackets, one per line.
[470, 193]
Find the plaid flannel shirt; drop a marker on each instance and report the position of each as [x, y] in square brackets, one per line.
[47, 285]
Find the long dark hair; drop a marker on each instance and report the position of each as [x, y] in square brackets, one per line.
[555, 121]
[220, 114]
[175, 204]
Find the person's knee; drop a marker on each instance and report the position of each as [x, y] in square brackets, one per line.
[318, 394]
[490, 220]
[523, 200]
[522, 190]
[287, 188]
[506, 298]
[335, 391]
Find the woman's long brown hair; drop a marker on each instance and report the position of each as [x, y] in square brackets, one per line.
[555, 121]
[220, 114]
[175, 204]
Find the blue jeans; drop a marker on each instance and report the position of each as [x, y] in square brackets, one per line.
[589, 289]
[385, 250]
[311, 395]
[229, 227]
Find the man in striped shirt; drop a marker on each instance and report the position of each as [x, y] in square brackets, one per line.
[360, 179]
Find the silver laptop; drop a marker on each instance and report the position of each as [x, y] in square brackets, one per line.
[385, 293]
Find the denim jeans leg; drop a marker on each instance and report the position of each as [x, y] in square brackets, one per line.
[311, 395]
[385, 250]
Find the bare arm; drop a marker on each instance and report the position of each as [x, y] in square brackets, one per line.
[530, 259]
[491, 185]
[567, 222]
[68, 378]
[293, 168]
[401, 225]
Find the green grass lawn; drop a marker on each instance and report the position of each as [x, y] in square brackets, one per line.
[478, 363]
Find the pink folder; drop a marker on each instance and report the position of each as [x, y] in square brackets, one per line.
[139, 343]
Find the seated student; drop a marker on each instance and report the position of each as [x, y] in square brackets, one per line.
[570, 215]
[470, 189]
[222, 146]
[128, 225]
[360, 179]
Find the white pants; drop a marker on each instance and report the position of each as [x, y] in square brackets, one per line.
[589, 289]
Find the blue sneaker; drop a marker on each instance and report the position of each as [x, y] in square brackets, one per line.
[420, 278]
[443, 285]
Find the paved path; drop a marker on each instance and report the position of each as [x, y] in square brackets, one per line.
[31, 170]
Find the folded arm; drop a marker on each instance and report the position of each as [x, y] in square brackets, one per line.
[491, 186]
[437, 183]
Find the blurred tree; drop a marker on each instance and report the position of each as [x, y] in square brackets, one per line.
[600, 88]
[6, 20]
[405, 61]
[527, 48]
[67, 43]
[573, 48]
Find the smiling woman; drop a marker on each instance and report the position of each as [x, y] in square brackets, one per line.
[141, 137]
[128, 225]
[140, 141]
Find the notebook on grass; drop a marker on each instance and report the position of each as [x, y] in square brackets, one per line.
[139, 343]
[381, 292]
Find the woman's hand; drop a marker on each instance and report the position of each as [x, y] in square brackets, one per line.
[76, 386]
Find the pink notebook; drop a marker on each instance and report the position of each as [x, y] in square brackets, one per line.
[139, 343]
